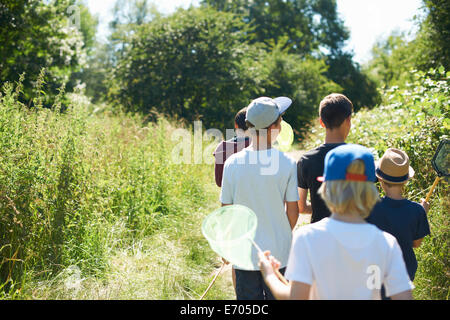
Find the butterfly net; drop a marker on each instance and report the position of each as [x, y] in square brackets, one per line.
[230, 231]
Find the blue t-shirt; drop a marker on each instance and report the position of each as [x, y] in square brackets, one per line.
[405, 220]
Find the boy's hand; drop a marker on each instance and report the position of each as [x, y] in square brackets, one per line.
[267, 264]
[425, 205]
[225, 261]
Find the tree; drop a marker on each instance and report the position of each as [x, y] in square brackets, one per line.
[38, 34]
[127, 17]
[312, 28]
[395, 57]
[302, 79]
[187, 65]
[357, 85]
[308, 24]
[433, 39]
[392, 60]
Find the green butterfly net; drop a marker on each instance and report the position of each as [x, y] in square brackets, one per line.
[230, 232]
[285, 138]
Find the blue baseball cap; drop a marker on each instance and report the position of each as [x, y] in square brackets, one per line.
[338, 160]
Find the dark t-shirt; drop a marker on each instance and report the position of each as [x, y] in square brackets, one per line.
[309, 167]
[406, 221]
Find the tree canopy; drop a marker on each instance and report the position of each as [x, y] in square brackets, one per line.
[312, 28]
[210, 61]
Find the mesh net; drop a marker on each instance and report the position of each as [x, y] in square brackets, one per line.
[285, 138]
[230, 231]
[441, 160]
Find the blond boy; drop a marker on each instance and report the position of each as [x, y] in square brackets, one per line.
[342, 257]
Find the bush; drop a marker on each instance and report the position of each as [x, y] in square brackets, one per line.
[186, 65]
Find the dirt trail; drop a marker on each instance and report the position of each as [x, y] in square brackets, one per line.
[303, 218]
[295, 154]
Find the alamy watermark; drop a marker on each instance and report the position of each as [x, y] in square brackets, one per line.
[374, 280]
[190, 148]
[74, 13]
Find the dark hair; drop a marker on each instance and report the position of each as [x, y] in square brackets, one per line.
[240, 119]
[334, 109]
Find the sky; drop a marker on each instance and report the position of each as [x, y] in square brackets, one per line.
[367, 20]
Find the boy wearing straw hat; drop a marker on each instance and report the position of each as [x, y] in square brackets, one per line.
[263, 179]
[342, 257]
[404, 219]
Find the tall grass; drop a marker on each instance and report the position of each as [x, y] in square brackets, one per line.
[91, 205]
[414, 119]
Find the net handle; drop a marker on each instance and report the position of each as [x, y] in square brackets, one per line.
[213, 280]
[436, 181]
[277, 272]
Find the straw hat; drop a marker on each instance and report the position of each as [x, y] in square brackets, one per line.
[394, 167]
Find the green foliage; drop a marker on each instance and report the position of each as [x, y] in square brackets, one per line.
[394, 57]
[302, 79]
[307, 24]
[186, 65]
[434, 36]
[391, 61]
[355, 83]
[78, 185]
[197, 63]
[306, 28]
[414, 119]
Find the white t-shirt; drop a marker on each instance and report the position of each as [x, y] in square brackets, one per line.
[345, 261]
[262, 181]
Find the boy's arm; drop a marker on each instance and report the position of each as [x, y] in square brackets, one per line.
[292, 213]
[291, 198]
[303, 205]
[417, 243]
[423, 228]
[226, 191]
[292, 291]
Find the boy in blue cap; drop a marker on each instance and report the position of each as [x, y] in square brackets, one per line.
[342, 257]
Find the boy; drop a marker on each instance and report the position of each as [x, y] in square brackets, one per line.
[264, 180]
[343, 257]
[226, 148]
[335, 113]
[404, 219]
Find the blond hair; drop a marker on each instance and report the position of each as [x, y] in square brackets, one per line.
[350, 197]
